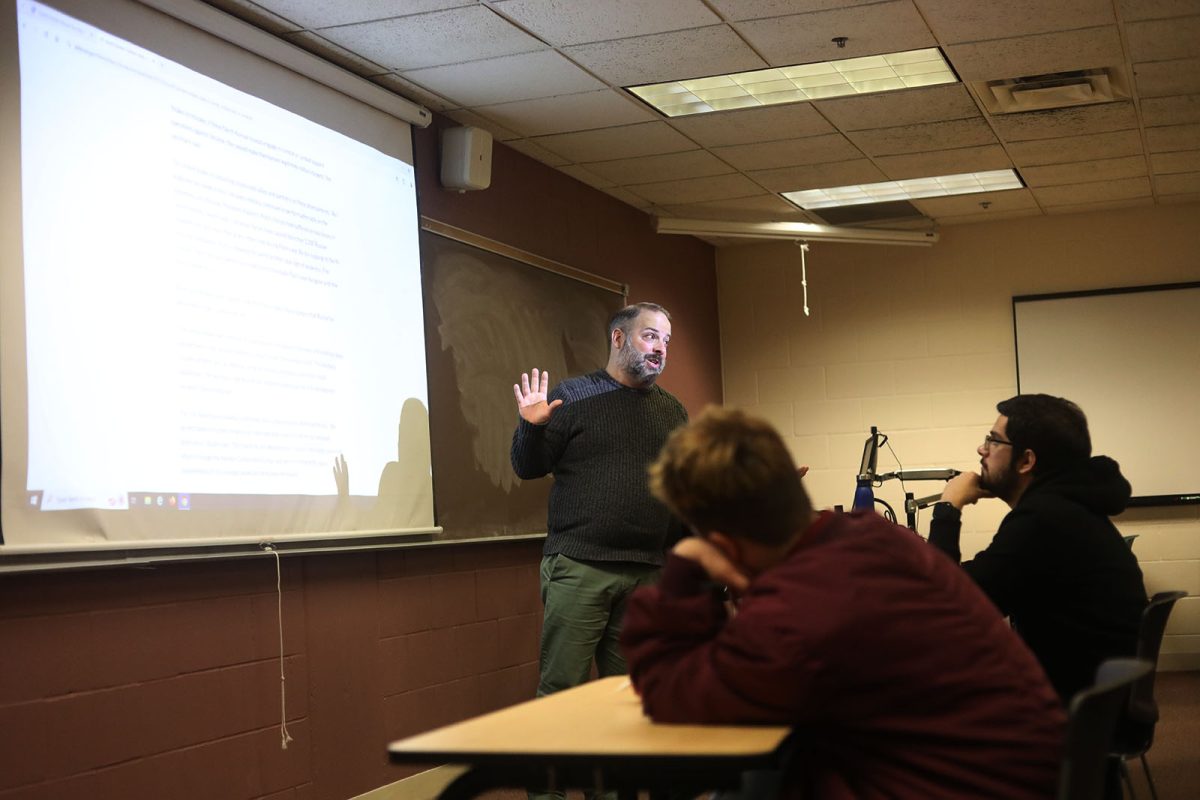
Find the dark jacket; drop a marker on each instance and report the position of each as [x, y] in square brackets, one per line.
[1060, 570]
[898, 675]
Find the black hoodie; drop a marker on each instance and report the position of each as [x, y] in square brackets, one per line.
[1060, 570]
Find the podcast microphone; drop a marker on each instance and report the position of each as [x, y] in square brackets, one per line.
[864, 496]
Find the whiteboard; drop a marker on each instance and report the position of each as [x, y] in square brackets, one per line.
[1130, 358]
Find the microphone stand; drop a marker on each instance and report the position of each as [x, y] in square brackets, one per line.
[911, 504]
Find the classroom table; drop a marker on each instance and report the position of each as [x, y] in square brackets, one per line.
[592, 737]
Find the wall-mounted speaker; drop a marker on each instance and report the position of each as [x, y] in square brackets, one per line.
[466, 158]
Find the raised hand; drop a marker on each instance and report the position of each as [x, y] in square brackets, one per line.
[531, 397]
[341, 476]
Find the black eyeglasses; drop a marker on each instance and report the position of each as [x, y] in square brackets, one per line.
[989, 441]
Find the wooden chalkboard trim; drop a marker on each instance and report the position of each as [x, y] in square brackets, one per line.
[502, 249]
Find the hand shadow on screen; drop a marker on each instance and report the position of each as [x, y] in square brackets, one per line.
[405, 495]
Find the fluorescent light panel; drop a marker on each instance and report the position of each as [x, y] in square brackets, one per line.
[912, 189]
[768, 87]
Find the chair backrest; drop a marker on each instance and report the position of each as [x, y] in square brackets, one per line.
[1091, 720]
[1143, 710]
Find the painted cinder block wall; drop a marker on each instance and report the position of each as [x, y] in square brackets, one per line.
[919, 342]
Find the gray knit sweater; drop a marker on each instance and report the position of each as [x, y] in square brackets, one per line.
[597, 445]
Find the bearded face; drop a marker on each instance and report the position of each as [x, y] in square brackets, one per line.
[643, 352]
[641, 366]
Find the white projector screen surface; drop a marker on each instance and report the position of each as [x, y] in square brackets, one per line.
[212, 318]
[1131, 360]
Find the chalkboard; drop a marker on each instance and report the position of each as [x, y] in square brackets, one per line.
[491, 313]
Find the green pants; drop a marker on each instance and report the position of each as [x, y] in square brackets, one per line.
[584, 605]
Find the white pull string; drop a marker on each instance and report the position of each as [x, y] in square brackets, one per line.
[284, 736]
[804, 272]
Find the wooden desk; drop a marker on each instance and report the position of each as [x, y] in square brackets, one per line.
[591, 737]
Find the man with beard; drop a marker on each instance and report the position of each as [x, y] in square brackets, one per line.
[606, 535]
[1057, 566]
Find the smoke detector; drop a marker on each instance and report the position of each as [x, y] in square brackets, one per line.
[1056, 90]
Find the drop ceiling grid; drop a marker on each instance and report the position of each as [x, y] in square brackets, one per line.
[545, 77]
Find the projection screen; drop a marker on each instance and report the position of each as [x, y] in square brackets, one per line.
[1130, 358]
[211, 328]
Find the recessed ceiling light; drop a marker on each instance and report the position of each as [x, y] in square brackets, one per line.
[767, 87]
[913, 189]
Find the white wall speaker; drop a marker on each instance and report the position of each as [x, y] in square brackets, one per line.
[466, 158]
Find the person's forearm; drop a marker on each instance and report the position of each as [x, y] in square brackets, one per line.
[945, 528]
[528, 454]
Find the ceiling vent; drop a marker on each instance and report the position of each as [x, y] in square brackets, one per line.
[1082, 87]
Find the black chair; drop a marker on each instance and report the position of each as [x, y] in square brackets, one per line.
[1135, 732]
[1091, 720]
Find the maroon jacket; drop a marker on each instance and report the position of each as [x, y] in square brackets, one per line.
[899, 676]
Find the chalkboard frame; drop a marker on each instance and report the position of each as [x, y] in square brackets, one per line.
[559, 318]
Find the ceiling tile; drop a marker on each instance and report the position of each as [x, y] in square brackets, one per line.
[1173, 137]
[818, 176]
[1163, 78]
[668, 167]
[434, 39]
[537, 152]
[1076, 148]
[944, 162]
[410, 90]
[465, 116]
[504, 79]
[889, 109]
[805, 38]
[1162, 39]
[753, 125]
[1092, 192]
[1177, 110]
[1084, 171]
[1181, 161]
[1179, 183]
[1037, 55]
[560, 22]
[584, 175]
[1062, 122]
[625, 141]
[789, 152]
[1107, 205]
[979, 20]
[572, 112]
[923, 137]
[322, 13]
[1155, 9]
[755, 9]
[1178, 199]
[696, 190]
[769, 207]
[694, 53]
[997, 202]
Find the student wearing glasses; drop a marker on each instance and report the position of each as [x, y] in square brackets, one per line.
[1057, 566]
